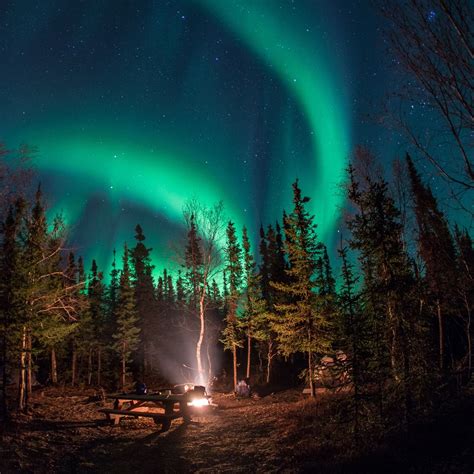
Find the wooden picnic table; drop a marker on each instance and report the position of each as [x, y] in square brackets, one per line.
[163, 407]
[169, 405]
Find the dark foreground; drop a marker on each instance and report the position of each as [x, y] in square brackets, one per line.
[282, 432]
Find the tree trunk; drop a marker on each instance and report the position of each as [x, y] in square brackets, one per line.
[393, 344]
[146, 359]
[202, 332]
[22, 395]
[260, 360]
[311, 374]
[73, 365]
[407, 383]
[54, 369]
[29, 363]
[4, 407]
[249, 353]
[124, 368]
[80, 366]
[468, 337]
[441, 336]
[99, 366]
[89, 367]
[269, 359]
[209, 365]
[234, 357]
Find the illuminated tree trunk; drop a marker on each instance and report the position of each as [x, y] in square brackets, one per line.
[73, 365]
[234, 357]
[202, 331]
[311, 374]
[249, 351]
[209, 364]
[54, 369]
[29, 363]
[270, 356]
[22, 389]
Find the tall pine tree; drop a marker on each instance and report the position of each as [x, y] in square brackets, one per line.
[299, 324]
[127, 333]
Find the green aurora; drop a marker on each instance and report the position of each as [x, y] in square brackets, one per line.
[229, 101]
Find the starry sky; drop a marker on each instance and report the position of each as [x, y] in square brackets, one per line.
[137, 106]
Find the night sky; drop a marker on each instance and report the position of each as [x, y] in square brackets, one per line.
[136, 106]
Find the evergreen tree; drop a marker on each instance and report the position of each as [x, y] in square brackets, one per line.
[127, 333]
[98, 319]
[12, 299]
[170, 296]
[299, 324]
[193, 265]
[465, 265]
[180, 291]
[71, 279]
[389, 289]
[352, 329]
[264, 268]
[160, 291]
[436, 248]
[254, 305]
[272, 269]
[231, 334]
[54, 319]
[143, 284]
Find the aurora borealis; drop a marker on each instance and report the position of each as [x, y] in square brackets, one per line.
[136, 107]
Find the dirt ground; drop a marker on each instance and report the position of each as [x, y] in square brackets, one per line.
[66, 434]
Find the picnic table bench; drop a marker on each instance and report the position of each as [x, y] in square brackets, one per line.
[170, 405]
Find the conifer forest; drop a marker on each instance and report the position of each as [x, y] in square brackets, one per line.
[211, 261]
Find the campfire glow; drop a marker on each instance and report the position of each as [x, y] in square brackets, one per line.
[199, 402]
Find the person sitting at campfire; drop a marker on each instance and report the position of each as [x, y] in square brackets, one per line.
[243, 388]
[141, 388]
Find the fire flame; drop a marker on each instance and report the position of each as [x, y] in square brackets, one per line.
[199, 402]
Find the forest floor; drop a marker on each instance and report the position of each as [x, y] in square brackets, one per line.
[281, 432]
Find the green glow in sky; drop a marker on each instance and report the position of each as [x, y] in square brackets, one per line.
[133, 114]
[271, 34]
[123, 171]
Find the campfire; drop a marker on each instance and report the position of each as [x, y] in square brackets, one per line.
[197, 396]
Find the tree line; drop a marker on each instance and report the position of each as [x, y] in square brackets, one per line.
[395, 323]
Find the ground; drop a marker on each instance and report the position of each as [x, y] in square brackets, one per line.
[66, 433]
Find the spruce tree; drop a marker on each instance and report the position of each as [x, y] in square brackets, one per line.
[299, 324]
[143, 284]
[193, 265]
[127, 333]
[33, 259]
[436, 248]
[465, 266]
[71, 278]
[98, 315]
[180, 291]
[231, 335]
[389, 289]
[55, 329]
[352, 329]
[254, 305]
[13, 279]
[272, 269]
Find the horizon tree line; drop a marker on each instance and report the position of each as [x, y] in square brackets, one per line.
[400, 312]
